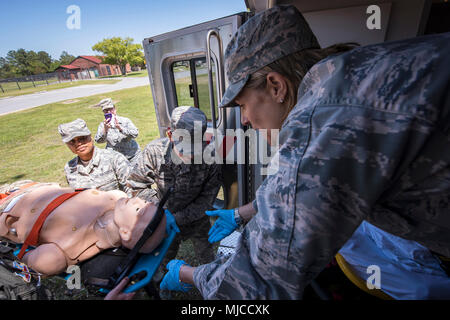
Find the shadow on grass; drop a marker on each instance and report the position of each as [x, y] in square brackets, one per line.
[15, 178]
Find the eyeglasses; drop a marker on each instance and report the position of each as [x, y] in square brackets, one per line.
[81, 140]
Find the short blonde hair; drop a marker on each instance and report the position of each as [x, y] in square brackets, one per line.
[294, 68]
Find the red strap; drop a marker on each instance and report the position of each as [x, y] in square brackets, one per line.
[33, 236]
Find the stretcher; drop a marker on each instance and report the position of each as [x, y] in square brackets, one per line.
[117, 263]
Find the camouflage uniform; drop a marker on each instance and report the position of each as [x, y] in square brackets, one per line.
[120, 140]
[107, 170]
[368, 139]
[195, 189]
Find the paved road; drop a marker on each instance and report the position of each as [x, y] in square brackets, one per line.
[13, 104]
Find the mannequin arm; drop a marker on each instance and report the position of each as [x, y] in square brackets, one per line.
[47, 259]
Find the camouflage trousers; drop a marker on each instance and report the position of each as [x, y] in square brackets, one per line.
[197, 232]
[13, 287]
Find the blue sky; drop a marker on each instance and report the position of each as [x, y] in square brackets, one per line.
[41, 25]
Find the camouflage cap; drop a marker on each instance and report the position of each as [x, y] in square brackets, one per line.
[268, 36]
[76, 128]
[106, 104]
[184, 117]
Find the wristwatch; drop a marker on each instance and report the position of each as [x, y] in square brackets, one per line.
[237, 217]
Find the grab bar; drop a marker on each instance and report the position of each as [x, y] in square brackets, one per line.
[219, 73]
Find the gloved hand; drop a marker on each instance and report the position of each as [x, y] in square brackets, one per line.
[223, 226]
[170, 222]
[171, 280]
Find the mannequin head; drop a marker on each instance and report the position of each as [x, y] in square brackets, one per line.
[131, 217]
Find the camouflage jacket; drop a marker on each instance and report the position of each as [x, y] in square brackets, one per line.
[369, 139]
[108, 170]
[120, 141]
[195, 185]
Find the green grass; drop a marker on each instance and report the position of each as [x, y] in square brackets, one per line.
[31, 146]
[184, 98]
[142, 73]
[11, 89]
[12, 86]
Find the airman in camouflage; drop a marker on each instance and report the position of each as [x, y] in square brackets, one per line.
[118, 132]
[92, 167]
[368, 139]
[195, 185]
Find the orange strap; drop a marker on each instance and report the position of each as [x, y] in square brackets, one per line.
[33, 236]
[5, 196]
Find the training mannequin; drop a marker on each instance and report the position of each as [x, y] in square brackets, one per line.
[81, 227]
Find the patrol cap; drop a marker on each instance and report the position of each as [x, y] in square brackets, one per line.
[106, 104]
[184, 117]
[266, 37]
[76, 128]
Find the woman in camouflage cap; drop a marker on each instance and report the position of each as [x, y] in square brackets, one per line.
[360, 131]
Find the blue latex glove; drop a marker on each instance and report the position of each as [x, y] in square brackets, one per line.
[224, 225]
[171, 280]
[170, 222]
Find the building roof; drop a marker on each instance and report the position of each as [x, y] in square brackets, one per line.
[92, 58]
[68, 66]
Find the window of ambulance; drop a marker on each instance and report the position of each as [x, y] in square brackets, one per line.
[191, 83]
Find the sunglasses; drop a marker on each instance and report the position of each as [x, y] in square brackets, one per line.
[81, 140]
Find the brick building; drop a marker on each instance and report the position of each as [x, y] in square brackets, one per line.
[88, 67]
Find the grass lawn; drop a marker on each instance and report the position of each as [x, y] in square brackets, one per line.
[11, 89]
[142, 73]
[184, 98]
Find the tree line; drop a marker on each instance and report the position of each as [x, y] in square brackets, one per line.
[21, 62]
[116, 51]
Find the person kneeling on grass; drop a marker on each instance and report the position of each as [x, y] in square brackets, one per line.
[92, 167]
